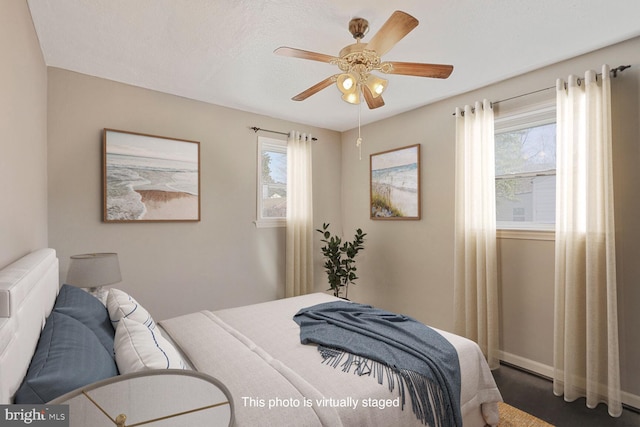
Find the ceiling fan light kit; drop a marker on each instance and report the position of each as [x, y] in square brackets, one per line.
[357, 61]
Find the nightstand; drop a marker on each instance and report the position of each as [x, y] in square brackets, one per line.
[158, 398]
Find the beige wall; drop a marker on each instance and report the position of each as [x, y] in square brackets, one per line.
[408, 265]
[23, 135]
[174, 268]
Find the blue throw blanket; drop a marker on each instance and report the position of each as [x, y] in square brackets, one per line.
[391, 346]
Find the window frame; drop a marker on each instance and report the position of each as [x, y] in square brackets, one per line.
[527, 117]
[267, 144]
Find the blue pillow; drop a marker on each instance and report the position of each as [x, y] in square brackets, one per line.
[87, 309]
[68, 356]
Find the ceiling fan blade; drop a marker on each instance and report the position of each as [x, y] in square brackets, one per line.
[397, 26]
[438, 71]
[315, 89]
[303, 54]
[371, 101]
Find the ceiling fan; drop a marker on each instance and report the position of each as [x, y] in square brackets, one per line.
[358, 60]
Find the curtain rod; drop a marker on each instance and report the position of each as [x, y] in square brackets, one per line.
[256, 129]
[614, 73]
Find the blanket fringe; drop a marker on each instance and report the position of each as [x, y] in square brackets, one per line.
[427, 398]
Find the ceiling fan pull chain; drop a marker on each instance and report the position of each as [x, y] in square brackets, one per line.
[359, 140]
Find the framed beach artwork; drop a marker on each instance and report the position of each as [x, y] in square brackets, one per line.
[149, 178]
[395, 184]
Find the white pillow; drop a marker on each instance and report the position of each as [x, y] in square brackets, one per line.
[139, 348]
[122, 305]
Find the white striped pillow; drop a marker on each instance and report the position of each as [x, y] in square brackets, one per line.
[139, 348]
[122, 305]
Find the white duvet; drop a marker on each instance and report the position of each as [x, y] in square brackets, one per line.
[274, 380]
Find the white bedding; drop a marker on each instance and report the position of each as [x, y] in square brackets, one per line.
[255, 351]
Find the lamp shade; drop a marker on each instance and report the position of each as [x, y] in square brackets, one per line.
[94, 270]
[346, 82]
[352, 97]
[376, 85]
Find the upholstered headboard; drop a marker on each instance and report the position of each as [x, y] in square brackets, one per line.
[28, 289]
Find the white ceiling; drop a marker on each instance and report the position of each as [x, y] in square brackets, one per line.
[221, 51]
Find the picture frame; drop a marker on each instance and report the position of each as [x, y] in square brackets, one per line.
[149, 178]
[395, 184]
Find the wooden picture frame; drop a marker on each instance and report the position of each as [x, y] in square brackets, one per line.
[395, 184]
[149, 178]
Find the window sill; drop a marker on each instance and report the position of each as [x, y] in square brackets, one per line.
[270, 223]
[526, 234]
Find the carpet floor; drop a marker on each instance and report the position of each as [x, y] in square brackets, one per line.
[534, 395]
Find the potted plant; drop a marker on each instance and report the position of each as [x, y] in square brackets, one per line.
[339, 259]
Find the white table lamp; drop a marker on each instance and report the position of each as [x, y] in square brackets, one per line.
[93, 271]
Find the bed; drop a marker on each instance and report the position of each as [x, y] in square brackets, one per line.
[254, 351]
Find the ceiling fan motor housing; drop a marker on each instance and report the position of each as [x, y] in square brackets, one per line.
[358, 27]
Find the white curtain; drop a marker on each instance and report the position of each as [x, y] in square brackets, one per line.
[586, 362]
[299, 243]
[475, 268]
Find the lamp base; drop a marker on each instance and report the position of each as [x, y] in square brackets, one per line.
[99, 292]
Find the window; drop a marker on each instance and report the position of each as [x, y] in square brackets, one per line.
[272, 182]
[525, 150]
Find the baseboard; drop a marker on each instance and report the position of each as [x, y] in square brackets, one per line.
[527, 364]
[631, 401]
